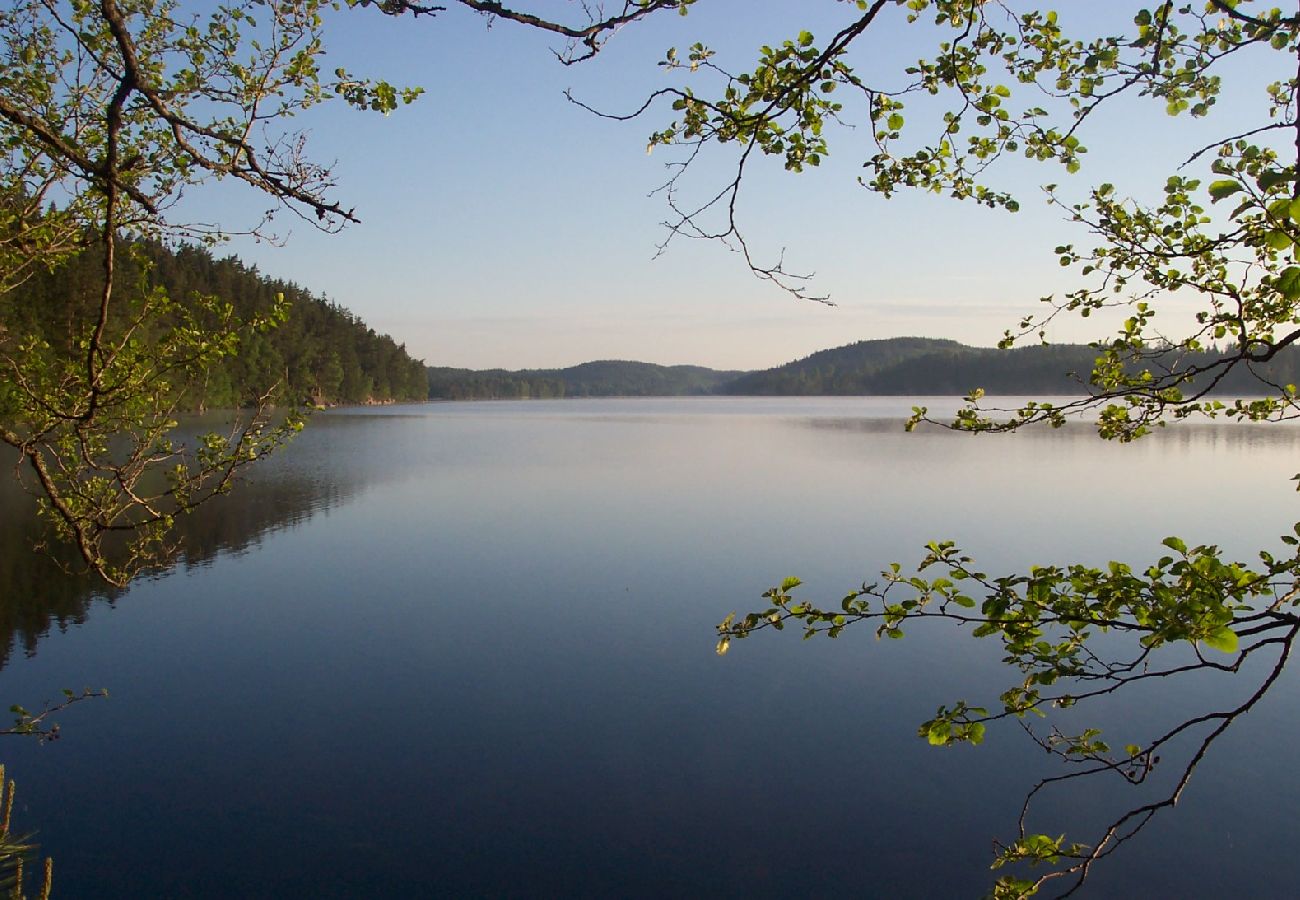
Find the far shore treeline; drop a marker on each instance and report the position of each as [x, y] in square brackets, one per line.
[324, 355]
[891, 367]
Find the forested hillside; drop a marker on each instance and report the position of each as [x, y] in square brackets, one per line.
[604, 378]
[925, 366]
[321, 353]
[896, 366]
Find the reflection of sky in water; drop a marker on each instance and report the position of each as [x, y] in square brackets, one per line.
[484, 666]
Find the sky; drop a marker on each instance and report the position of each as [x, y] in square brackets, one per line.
[503, 226]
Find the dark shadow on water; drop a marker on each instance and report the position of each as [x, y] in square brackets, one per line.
[41, 589]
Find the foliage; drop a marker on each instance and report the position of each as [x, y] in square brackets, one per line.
[16, 850]
[109, 111]
[922, 366]
[37, 724]
[1015, 81]
[1050, 624]
[1020, 85]
[320, 354]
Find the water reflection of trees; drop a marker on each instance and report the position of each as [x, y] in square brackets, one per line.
[40, 590]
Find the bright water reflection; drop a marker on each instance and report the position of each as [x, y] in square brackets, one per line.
[465, 649]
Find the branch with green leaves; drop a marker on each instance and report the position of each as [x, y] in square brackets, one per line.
[38, 724]
[1011, 83]
[109, 111]
[100, 450]
[1077, 635]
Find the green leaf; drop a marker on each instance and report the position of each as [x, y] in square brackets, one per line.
[1223, 639]
[1278, 240]
[894, 122]
[1225, 188]
[1272, 178]
[1288, 282]
[1176, 544]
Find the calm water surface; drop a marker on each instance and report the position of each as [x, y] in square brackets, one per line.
[466, 650]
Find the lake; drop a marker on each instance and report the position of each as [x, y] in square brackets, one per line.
[467, 650]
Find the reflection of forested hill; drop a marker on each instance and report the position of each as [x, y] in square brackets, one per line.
[36, 593]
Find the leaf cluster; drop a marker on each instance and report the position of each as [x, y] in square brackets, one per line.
[109, 112]
[1048, 623]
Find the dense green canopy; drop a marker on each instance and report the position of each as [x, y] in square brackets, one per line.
[319, 354]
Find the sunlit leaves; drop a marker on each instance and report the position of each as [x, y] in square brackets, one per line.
[1288, 283]
[1223, 639]
[788, 83]
[961, 724]
[108, 112]
[1048, 623]
[1045, 620]
[1222, 232]
[377, 96]
[1220, 190]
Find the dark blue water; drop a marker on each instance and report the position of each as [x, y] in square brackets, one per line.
[467, 650]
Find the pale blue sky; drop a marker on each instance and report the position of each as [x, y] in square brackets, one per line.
[503, 226]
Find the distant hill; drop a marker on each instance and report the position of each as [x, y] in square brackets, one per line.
[604, 378]
[896, 366]
[923, 366]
